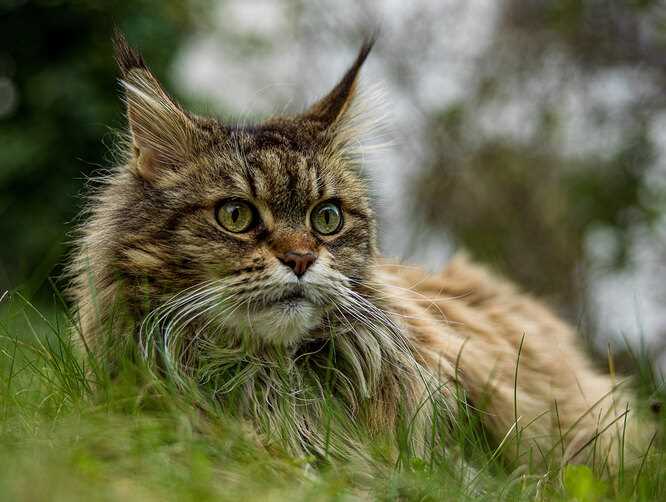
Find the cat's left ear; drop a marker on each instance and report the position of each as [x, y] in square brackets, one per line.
[334, 111]
[162, 132]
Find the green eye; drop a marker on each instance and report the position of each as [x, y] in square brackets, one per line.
[326, 218]
[235, 215]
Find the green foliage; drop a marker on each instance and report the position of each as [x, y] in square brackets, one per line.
[56, 58]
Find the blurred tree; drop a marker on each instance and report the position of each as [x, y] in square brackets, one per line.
[525, 198]
[58, 97]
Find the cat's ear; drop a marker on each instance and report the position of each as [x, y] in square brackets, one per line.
[333, 111]
[162, 132]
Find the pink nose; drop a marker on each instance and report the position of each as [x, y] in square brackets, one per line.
[298, 262]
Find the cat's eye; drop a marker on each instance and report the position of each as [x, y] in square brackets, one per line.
[326, 218]
[236, 216]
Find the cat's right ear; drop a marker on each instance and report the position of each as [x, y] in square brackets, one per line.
[162, 132]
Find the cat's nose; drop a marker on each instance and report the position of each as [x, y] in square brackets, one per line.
[298, 261]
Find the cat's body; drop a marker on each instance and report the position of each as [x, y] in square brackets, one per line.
[522, 366]
[244, 258]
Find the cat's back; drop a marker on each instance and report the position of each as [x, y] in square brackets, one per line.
[473, 301]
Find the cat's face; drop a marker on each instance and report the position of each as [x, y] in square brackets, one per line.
[260, 228]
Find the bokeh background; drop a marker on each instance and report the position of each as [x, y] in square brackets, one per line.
[530, 133]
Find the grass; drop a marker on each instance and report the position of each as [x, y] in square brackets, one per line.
[137, 438]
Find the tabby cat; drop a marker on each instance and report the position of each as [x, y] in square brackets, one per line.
[244, 260]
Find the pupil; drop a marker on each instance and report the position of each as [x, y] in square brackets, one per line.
[235, 213]
[327, 216]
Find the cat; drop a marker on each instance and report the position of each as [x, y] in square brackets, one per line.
[244, 259]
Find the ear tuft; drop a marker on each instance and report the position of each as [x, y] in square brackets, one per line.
[162, 132]
[127, 58]
[332, 107]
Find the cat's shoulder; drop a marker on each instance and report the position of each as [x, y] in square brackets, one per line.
[460, 277]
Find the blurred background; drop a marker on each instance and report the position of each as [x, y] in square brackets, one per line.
[531, 134]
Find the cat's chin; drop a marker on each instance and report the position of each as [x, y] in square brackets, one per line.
[284, 322]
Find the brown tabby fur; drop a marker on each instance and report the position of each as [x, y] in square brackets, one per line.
[400, 334]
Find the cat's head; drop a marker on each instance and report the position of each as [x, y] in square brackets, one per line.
[264, 227]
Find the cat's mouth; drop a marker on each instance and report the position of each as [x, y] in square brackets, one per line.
[292, 297]
[285, 299]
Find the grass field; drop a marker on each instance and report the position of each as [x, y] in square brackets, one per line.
[137, 438]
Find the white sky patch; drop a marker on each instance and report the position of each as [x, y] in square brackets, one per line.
[621, 298]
